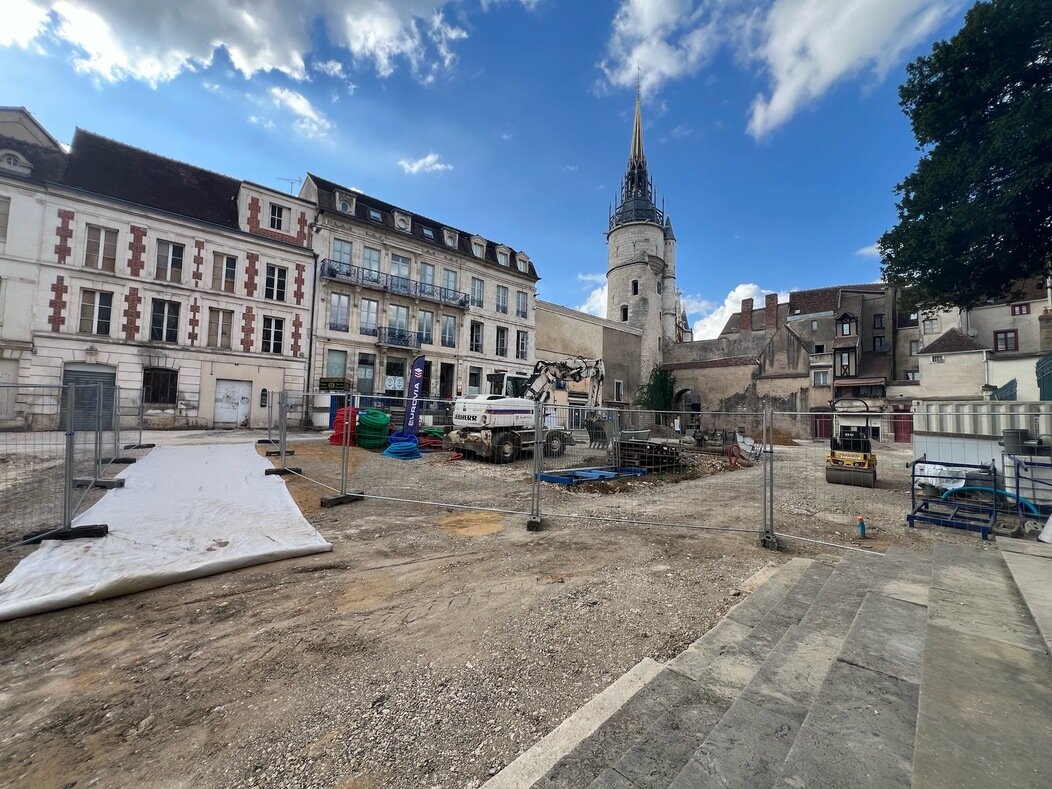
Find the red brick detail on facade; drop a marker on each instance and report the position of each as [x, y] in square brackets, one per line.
[199, 260]
[137, 247]
[131, 314]
[248, 330]
[64, 233]
[58, 304]
[251, 273]
[256, 228]
[299, 282]
[297, 335]
[194, 322]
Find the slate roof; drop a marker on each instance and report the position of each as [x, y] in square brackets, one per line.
[807, 302]
[363, 202]
[48, 163]
[759, 315]
[106, 167]
[952, 341]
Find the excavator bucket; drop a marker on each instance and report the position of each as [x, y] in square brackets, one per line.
[846, 475]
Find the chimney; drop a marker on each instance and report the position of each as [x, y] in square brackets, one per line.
[745, 324]
[770, 311]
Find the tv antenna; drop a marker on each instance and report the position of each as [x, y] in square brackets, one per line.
[292, 182]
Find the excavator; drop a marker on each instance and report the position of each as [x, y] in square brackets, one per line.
[851, 460]
[500, 426]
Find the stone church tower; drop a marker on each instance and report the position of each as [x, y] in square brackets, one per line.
[641, 259]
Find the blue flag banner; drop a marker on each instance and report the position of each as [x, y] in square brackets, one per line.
[412, 408]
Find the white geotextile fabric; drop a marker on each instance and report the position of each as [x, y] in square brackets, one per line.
[184, 512]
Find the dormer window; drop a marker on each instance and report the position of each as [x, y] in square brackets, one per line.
[523, 263]
[345, 203]
[375, 215]
[428, 232]
[478, 247]
[13, 162]
[847, 327]
[277, 216]
[450, 237]
[503, 257]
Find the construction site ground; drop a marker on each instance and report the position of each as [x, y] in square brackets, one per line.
[430, 648]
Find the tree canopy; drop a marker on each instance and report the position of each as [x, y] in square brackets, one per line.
[975, 217]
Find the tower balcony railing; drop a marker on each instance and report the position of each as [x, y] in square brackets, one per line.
[399, 338]
[390, 283]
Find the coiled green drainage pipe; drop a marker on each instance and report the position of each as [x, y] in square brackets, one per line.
[372, 429]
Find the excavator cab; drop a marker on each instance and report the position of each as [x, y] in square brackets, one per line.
[851, 459]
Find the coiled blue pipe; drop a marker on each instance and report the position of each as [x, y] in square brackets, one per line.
[403, 447]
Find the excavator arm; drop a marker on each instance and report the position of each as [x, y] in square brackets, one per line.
[545, 375]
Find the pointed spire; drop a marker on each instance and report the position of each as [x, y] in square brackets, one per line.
[635, 153]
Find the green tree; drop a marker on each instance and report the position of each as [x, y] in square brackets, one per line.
[659, 393]
[975, 217]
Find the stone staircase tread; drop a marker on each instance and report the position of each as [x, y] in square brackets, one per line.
[747, 748]
[859, 733]
[733, 663]
[1024, 546]
[720, 675]
[776, 701]
[754, 607]
[984, 714]
[1033, 577]
[538, 760]
[594, 754]
[887, 636]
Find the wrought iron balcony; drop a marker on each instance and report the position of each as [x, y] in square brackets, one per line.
[401, 338]
[339, 326]
[367, 278]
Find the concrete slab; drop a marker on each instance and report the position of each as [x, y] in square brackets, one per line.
[755, 607]
[531, 765]
[746, 748]
[606, 745]
[907, 576]
[1025, 546]
[985, 714]
[611, 779]
[887, 636]
[971, 571]
[999, 615]
[723, 635]
[1033, 577]
[859, 733]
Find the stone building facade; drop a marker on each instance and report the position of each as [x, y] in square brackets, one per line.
[189, 290]
[392, 285]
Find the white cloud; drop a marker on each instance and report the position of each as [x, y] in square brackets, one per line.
[803, 46]
[657, 41]
[595, 303]
[266, 123]
[23, 21]
[507, 136]
[309, 122]
[868, 252]
[156, 41]
[331, 68]
[431, 163]
[709, 319]
[569, 168]
[809, 45]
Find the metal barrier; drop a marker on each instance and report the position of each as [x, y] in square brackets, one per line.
[57, 444]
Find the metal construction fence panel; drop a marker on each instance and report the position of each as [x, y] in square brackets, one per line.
[33, 460]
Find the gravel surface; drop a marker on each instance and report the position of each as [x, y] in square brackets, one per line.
[429, 649]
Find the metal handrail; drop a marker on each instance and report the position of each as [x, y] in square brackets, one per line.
[403, 338]
[369, 278]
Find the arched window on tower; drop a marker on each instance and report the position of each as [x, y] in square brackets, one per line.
[659, 287]
[624, 313]
[635, 287]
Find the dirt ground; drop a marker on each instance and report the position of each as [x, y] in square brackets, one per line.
[428, 649]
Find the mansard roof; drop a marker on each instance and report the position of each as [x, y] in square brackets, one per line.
[106, 167]
[362, 203]
[47, 164]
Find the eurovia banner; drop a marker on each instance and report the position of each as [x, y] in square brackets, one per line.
[412, 411]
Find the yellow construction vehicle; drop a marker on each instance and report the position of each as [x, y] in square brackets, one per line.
[851, 460]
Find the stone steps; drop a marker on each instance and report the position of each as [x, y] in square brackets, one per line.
[916, 668]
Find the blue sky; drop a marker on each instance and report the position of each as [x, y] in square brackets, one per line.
[772, 128]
